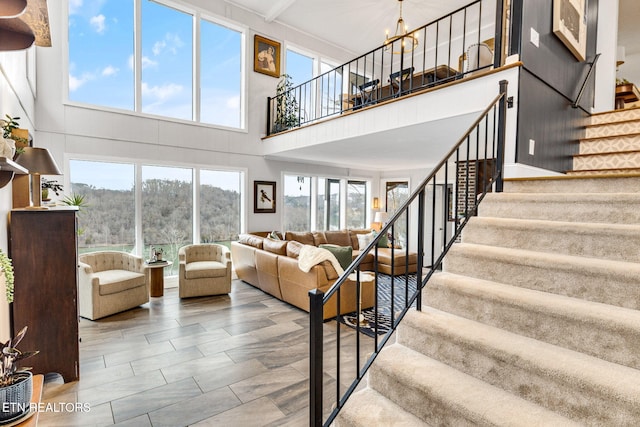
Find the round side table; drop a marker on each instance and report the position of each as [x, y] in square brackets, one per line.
[156, 277]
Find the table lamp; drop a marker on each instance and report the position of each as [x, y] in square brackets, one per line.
[37, 161]
[379, 219]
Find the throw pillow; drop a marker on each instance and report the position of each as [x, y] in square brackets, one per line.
[274, 235]
[344, 254]
[384, 240]
[364, 240]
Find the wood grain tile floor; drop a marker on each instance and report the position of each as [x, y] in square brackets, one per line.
[232, 360]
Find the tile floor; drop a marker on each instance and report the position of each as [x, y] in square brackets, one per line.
[233, 360]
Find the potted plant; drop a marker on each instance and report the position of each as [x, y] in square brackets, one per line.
[286, 105]
[14, 138]
[15, 383]
[50, 184]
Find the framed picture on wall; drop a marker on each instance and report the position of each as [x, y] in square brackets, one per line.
[264, 197]
[570, 25]
[266, 56]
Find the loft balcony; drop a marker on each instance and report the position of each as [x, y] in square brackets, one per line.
[419, 84]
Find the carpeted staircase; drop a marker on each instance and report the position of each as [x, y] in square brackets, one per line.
[535, 319]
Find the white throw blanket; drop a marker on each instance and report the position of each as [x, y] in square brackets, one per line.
[311, 255]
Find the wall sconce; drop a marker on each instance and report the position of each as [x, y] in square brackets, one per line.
[376, 203]
[37, 161]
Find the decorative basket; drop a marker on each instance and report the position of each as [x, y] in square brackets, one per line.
[16, 398]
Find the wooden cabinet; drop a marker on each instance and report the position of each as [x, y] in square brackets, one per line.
[43, 246]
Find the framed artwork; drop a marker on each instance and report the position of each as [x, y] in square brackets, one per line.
[264, 197]
[570, 25]
[266, 56]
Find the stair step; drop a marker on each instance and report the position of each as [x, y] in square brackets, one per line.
[370, 408]
[586, 183]
[619, 208]
[591, 279]
[617, 160]
[580, 387]
[608, 332]
[442, 395]
[620, 242]
[615, 116]
[591, 173]
[610, 144]
[611, 129]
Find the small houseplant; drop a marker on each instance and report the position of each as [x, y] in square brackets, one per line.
[10, 128]
[286, 105]
[50, 185]
[15, 383]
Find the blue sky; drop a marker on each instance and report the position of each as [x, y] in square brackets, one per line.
[101, 61]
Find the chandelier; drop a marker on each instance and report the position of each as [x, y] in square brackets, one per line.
[408, 41]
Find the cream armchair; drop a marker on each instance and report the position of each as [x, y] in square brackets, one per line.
[110, 282]
[205, 269]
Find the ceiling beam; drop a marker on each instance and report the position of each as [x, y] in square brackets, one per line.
[277, 8]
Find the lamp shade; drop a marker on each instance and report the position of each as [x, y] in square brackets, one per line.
[38, 161]
[381, 217]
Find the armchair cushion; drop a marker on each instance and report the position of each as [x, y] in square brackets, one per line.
[201, 269]
[114, 281]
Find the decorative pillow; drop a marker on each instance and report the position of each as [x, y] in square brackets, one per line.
[278, 247]
[293, 249]
[274, 235]
[319, 239]
[344, 254]
[384, 240]
[364, 240]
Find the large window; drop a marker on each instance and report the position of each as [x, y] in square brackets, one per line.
[108, 222]
[220, 205]
[168, 211]
[101, 45]
[167, 54]
[103, 59]
[356, 204]
[297, 203]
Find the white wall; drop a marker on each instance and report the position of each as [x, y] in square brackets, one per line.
[17, 100]
[606, 46]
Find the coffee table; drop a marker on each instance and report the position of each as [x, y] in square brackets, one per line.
[156, 277]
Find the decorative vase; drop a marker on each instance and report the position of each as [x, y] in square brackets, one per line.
[7, 148]
[45, 195]
[16, 398]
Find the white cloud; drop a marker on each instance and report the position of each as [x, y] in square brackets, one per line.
[146, 62]
[158, 46]
[76, 82]
[110, 70]
[97, 22]
[74, 6]
[170, 43]
[161, 93]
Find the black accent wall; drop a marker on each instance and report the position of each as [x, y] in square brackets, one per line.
[549, 83]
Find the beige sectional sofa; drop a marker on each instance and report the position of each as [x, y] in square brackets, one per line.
[272, 266]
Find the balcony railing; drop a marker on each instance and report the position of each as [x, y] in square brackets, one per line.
[340, 356]
[449, 48]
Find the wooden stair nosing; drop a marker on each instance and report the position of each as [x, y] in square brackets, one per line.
[602, 113]
[595, 138]
[607, 153]
[597, 125]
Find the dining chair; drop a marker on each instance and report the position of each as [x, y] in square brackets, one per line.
[366, 92]
[396, 79]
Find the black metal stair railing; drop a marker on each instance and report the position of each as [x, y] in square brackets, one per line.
[339, 355]
[392, 70]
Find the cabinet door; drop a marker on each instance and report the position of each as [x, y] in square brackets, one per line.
[43, 247]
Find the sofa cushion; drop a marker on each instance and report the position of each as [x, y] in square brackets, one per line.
[319, 238]
[293, 248]
[353, 233]
[384, 240]
[304, 237]
[115, 281]
[339, 237]
[251, 240]
[202, 269]
[275, 235]
[342, 253]
[278, 247]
